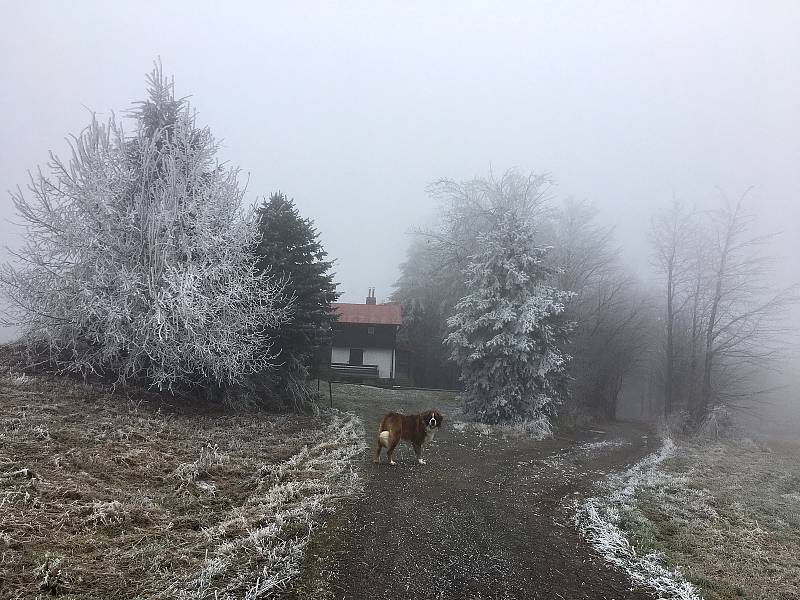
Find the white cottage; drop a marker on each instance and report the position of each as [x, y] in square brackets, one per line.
[366, 336]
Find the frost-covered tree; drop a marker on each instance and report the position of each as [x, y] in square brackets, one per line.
[431, 280]
[506, 331]
[138, 262]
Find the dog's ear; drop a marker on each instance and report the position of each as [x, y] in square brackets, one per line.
[439, 418]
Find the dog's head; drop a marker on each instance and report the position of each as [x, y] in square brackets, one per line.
[432, 419]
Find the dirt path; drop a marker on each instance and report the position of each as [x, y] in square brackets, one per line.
[487, 517]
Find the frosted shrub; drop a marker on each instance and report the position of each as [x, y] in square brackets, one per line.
[506, 331]
[719, 423]
[138, 256]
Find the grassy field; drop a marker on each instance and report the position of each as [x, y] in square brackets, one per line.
[103, 499]
[728, 513]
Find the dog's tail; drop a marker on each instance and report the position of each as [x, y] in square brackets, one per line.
[383, 439]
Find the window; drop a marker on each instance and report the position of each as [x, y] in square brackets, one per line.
[371, 330]
[356, 356]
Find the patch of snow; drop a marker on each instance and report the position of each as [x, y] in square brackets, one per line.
[603, 445]
[19, 379]
[537, 429]
[599, 522]
[459, 426]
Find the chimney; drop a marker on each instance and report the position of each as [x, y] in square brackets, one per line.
[371, 296]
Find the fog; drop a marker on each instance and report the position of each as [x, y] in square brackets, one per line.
[353, 109]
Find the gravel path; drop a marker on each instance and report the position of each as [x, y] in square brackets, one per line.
[489, 516]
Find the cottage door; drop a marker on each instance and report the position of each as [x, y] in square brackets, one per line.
[356, 356]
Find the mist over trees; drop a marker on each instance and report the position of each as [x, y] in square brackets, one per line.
[611, 310]
[725, 320]
[431, 279]
[577, 260]
[481, 276]
[143, 264]
[694, 345]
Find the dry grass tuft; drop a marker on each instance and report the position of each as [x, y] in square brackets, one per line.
[98, 500]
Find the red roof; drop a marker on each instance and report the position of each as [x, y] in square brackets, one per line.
[368, 314]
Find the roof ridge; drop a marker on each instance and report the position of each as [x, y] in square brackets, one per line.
[369, 314]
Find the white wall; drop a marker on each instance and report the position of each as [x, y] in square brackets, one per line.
[381, 357]
[340, 355]
[372, 356]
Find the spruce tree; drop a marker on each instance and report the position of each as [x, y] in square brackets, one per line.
[506, 331]
[290, 249]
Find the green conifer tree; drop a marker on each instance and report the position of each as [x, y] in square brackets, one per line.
[290, 248]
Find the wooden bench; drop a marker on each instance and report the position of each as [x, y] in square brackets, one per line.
[348, 371]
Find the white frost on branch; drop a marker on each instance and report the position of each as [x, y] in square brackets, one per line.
[507, 330]
[138, 257]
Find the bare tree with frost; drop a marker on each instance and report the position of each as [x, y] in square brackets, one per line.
[746, 326]
[137, 262]
[672, 238]
[610, 311]
[507, 330]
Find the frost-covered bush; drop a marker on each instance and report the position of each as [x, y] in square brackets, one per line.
[506, 331]
[719, 423]
[138, 260]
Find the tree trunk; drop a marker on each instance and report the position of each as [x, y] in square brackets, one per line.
[670, 358]
[711, 330]
[708, 363]
[613, 399]
[692, 400]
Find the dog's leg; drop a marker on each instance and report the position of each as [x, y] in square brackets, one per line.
[418, 452]
[390, 450]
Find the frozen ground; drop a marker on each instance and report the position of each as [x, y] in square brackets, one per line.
[726, 512]
[99, 499]
[602, 520]
[489, 516]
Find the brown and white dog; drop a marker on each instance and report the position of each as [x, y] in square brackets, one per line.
[418, 429]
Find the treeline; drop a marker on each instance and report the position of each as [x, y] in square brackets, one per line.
[684, 349]
[142, 264]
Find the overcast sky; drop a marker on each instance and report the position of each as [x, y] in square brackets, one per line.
[353, 108]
